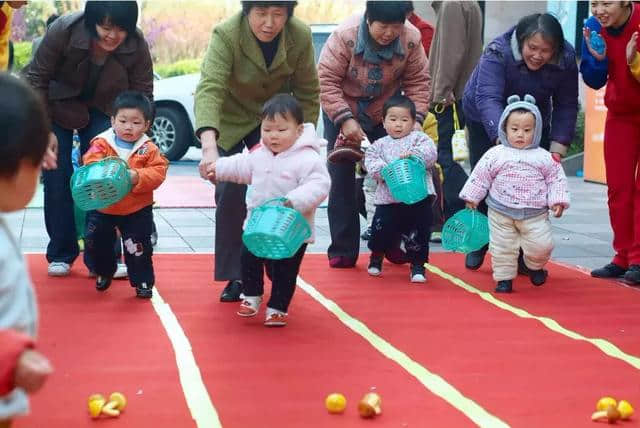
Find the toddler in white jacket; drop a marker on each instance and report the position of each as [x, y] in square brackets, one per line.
[392, 217]
[523, 181]
[287, 163]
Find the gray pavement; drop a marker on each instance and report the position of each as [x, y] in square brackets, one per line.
[582, 235]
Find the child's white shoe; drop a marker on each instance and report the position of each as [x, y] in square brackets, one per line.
[375, 265]
[121, 271]
[418, 274]
[249, 306]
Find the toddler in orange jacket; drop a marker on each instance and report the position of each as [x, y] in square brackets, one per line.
[126, 139]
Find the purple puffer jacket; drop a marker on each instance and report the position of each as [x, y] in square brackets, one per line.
[501, 72]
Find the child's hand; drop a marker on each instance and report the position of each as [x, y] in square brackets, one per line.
[632, 47]
[211, 173]
[32, 371]
[557, 209]
[134, 176]
[471, 205]
[287, 203]
[586, 33]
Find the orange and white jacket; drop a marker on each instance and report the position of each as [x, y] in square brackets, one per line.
[145, 158]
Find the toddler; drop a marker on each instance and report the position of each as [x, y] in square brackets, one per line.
[633, 57]
[391, 217]
[24, 136]
[523, 181]
[286, 163]
[133, 216]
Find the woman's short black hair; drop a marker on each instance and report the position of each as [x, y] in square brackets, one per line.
[284, 105]
[399, 101]
[136, 100]
[544, 24]
[24, 127]
[386, 11]
[248, 5]
[124, 14]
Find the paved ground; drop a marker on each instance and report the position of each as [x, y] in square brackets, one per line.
[583, 235]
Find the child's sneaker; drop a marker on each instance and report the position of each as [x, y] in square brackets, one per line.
[538, 277]
[102, 283]
[143, 291]
[249, 306]
[275, 318]
[375, 264]
[504, 286]
[59, 269]
[121, 271]
[418, 273]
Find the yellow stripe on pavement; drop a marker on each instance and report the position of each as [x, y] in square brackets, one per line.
[431, 381]
[604, 345]
[198, 400]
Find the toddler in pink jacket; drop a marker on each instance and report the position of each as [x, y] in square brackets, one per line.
[286, 163]
[523, 181]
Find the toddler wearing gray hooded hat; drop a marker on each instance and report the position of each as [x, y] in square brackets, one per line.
[523, 181]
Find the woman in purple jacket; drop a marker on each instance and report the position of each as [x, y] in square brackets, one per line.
[531, 58]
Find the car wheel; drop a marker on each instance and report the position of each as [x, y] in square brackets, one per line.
[171, 132]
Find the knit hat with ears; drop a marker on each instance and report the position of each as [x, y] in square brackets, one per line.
[514, 103]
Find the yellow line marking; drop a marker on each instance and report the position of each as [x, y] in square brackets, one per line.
[602, 344]
[195, 392]
[431, 381]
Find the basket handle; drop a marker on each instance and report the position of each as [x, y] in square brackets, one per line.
[274, 201]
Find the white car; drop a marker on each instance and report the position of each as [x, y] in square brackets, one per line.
[174, 124]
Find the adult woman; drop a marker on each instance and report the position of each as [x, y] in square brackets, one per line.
[84, 61]
[531, 58]
[619, 21]
[252, 56]
[365, 61]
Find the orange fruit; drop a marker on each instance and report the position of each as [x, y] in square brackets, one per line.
[605, 402]
[335, 403]
[625, 409]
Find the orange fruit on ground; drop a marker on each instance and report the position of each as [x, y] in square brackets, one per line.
[605, 402]
[625, 409]
[335, 403]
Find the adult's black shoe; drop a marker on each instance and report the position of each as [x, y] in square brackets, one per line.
[632, 277]
[611, 270]
[232, 291]
[102, 283]
[523, 269]
[474, 259]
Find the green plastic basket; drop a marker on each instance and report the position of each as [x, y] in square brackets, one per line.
[274, 231]
[100, 184]
[466, 231]
[406, 179]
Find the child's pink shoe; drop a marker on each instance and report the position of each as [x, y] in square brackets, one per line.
[249, 306]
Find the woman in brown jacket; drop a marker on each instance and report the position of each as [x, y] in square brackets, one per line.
[365, 61]
[84, 61]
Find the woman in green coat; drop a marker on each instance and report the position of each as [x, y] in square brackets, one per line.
[252, 56]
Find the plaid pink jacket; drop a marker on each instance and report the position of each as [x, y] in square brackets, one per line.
[344, 77]
[518, 179]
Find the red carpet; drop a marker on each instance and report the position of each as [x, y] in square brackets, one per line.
[184, 192]
[516, 369]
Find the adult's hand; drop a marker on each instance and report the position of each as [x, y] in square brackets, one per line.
[352, 131]
[586, 33]
[32, 370]
[557, 209]
[209, 154]
[50, 158]
[632, 47]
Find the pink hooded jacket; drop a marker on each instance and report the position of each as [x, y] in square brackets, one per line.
[298, 174]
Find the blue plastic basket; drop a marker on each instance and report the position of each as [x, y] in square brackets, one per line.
[274, 231]
[406, 179]
[100, 184]
[465, 231]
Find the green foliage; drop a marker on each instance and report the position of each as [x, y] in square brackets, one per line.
[21, 55]
[577, 145]
[178, 68]
[36, 14]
